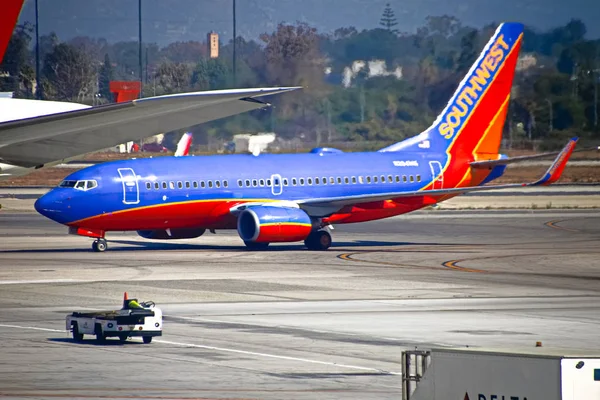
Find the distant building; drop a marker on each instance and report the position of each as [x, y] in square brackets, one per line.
[213, 45]
[526, 61]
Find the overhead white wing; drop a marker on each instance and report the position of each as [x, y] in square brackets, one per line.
[63, 134]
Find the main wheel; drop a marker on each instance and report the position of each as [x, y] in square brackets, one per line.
[319, 240]
[78, 337]
[256, 245]
[99, 245]
[147, 339]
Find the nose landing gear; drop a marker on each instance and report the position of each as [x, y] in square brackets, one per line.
[99, 245]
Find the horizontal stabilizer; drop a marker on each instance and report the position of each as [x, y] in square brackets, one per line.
[485, 164]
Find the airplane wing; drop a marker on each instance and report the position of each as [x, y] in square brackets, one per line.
[551, 176]
[55, 138]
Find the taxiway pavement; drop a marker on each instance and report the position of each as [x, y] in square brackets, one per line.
[286, 322]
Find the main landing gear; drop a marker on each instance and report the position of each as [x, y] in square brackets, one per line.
[318, 240]
[99, 245]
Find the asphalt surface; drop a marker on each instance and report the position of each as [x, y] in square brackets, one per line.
[290, 323]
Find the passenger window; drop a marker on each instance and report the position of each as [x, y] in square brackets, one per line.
[316, 181]
[187, 184]
[301, 181]
[368, 179]
[331, 180]
[418, 178]
[156, 185]
[360, 180]
[262, 182]
[285, 181]
[218, 184]
[354, 179]
[412, 178]
[148, 185]
[254, 182]
[390, 179]
[268, 182]
[171, 185]
[324, 180]
[397, 178]
[382, 178]
[225, 184]
[240, 183]
[309, 181]
[210, 184]
[339, 180]
[404, 178]
[346, 180]
[247, 182]
[164, 185]
[195, 183]
[375, 179]
[294, 182]
[180, 185]
[202, 184]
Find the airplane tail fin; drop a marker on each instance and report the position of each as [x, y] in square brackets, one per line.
[183, 147]
[473, 119]
[9, 14]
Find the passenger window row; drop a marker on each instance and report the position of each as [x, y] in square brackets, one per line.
[285, 182]
[331, 180]
[187, 184]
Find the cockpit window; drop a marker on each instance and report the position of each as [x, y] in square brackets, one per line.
[79, 185]
[67, 184]
[91, 184]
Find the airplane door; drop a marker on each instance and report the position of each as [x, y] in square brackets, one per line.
[131, 190]
[436, 175]
[276, 184]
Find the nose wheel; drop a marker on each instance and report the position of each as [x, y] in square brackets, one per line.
[99, 245]
[319, 240]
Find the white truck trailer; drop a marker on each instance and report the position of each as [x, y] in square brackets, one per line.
[481, 374]
[133, 319]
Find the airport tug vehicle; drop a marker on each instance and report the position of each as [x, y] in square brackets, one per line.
[134, 319]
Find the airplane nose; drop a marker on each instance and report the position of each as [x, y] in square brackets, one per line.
[50, 206]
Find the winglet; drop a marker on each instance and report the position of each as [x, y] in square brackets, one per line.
[556, 169]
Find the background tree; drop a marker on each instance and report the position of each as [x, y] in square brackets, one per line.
[105, 75]
[69, 74]
[388, 19]
[16, 65]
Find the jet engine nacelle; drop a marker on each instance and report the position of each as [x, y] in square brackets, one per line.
[264, 224]
[166, 234]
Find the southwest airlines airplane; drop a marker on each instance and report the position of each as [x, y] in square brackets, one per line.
[297, 197]
[36, 134]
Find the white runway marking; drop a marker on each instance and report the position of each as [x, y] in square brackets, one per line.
[26, 282]
[32, 328]
[252, 353]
